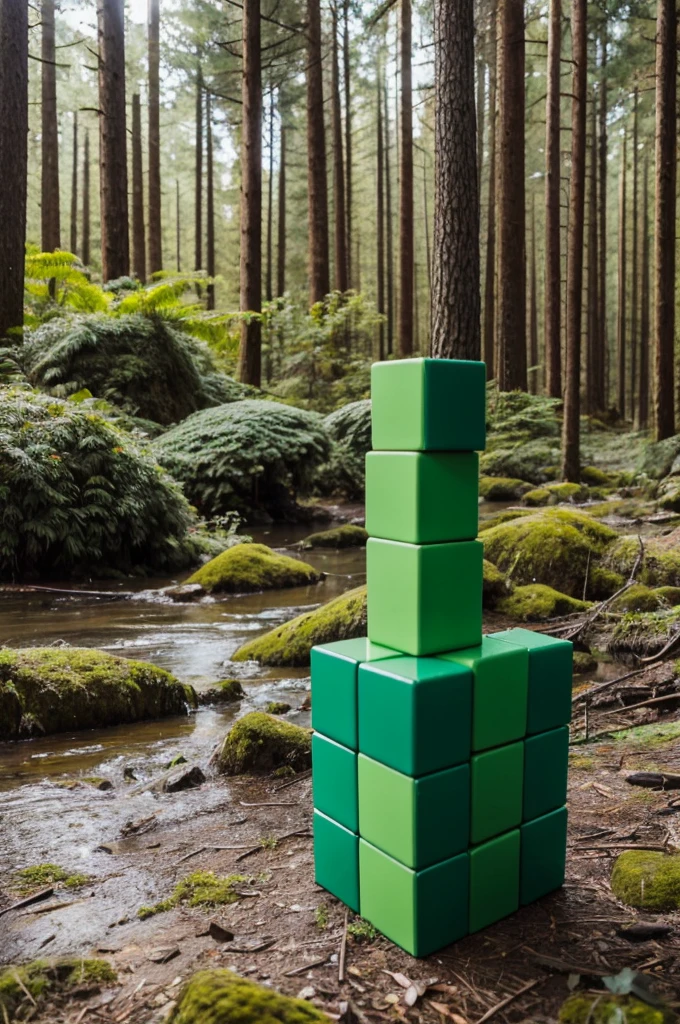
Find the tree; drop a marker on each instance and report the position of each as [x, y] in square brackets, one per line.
[455, 281]
[533, 309]
[319, 278]
[281, 254]
[154, 140]
[85, 254]
[643, 396]
[13, 159]
[406, 232]
[210, 205]
[113, 176]
[489, 343]
[553, 271]
[74, 186]
[634, 292]
[269, 285]
[340, 213]
[138, 233]
[594, 361]
[198, 181]
[348, 138]
[602, 218]
[51, 229]
[389, 247]
[250, 354]
[380, 213]
[622, 298]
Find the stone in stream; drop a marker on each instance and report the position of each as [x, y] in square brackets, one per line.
[183, 778]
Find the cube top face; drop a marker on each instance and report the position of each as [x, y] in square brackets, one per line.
[358, 650]
[496, 800]
[428, 405]
[334, 781]
[550, 678]
[334, 686]
[422, 497]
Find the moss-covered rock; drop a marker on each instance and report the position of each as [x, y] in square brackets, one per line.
[668, 494]
[349, 429]
[536, 497]
[260, 743]
[506, 516]
[647, 879]
[347, 536]
[602, 583]
[249, 567]
[227, 691]
[639, 598]
[500, 488]
[595, 477]
[43, 978]
[660, 566]
[556, 494]
[583, 662]
[495, 585]
[643, 633]
[603, 1008]
[199, 889]
[221, 997]
[536, 603]
[277, 707]
[533, 461]
[66, 688]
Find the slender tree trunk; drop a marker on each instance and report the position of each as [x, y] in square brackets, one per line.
[426, 218]
[455, 287]
[571, 461]
[643, 399]
[85, 255]
[664, 215]
[198, 206]
[481, 97]
[533, 308]
[250, 350]
[346, 53]
[154, 142]
[600, 392]
[113, 178]
[388, 229]
[634, 340]
[512, 368]
[269, 285]
[51, 233]
[74, 187]
[178, 237]
[406, 230]
[13, 161]
[380, 207]
[281, 267]
[340, 213]
[319, 276]
[622, 298]
[138, 233]
[210, 206]
[553, 270]
[490, 271]
[594, 353]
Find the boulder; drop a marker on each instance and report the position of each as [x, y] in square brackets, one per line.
[346, 536]
[647, 879]
[219, 996]
[251, 567]
[537, 603]
[183, 778]
[260, 743]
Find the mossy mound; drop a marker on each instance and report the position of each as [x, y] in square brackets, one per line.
[277, 707]
[657, 458]
[60, 689]
[199, 889]
[660, 566]
[537, 497]
[555, 494]
[495, 585]
[500, 488]
[250, 567]
[349, 429]
[537, 603]
[343, 618]
[227, 691]
[640, 598]
[647, 879]
[643, 633]
[506, 516]
[260, 743]
[221, 997]
[603, 582]
[43, 978]
[534, 461]
[604, 1008]
[346, 536]
[595, 477]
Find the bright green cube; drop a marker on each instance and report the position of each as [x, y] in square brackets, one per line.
[500, 683]
[421, 911]
[417, 821]
[334, 686]
[494, 880]
[496, 778]
[429, 405]
[415, 714]
[334, 781]
[550, 678]
[422, 498]
[336, 860]
[544, 855]
[424, 598]
[546, 762]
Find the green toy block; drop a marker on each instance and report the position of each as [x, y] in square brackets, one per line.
[546, 761]
[334, 781]
[424, 598]
[500, 682]
[544, 854]
[421, 911]
[417, 821]
[334, 686]
[429, 405]
[422, 498]
[550, 678]
[336, 860]
[494, 880]
[496, 791]
[415, 714]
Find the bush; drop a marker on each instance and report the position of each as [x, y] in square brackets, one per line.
[350, 431]
[248, 456]
[80, 495]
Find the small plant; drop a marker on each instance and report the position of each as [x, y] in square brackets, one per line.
[321, 916]
[362, 931]
[40, 875]
[200, 889]
[269, 842]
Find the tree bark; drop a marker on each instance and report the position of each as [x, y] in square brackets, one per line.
[406, 230]
[85, 255]
[340, 213]
[346, 54]
[319, 276]
[178, 254]
[571, 462]
[622, 298]
[281, 265]
[138, 233]
[634, 340]
[489, 341]
[50, 221]
[594, 353]
[389, 248]
[601, 399]
[533, 309]
[13, 161]
[154, 141]
[250, 350]
[643, 398]
[210, 205]
[481, 98]
[553, 261]
[74, 187]
[113, 177]
[269, 280]
[380, 208]
[198, 202]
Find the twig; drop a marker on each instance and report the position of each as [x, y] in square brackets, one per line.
[23, 987]
[644, 703]
[664, 650]
[586, 694]
[306, 967]
[202, 849]
[508, 999]
[659, 847]
[279, 839]
[281, 803]
[292, 782]
[603, 605]
[35, 898]
[343, 949]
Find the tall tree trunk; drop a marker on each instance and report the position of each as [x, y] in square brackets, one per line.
[571, 461]
[426, 219]
[622, 298]
[113, 177]
[406, 231]
[51, 233]
[319, 276]
[455, 286]
[178, 237]
[340, 214]
[380, 207]
[13, 160]
[634, 340]
[489, 343]
[138, 233]
[154, 141]
[389, 248]
[533, 308]
[269, 285]
[601, 397]
[74, 187]
[594, 353]
[85, 254]
[281, 266]
[643, 398]
[210, 205]
[346, 54]
[481, 97]
[664, 215]
[250, 350]
[198, 203]
[512, 368]
[553, 261]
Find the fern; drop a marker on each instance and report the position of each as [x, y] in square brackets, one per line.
[350, 431]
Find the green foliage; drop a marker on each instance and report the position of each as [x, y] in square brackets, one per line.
[40, 875]
[349, 428]
[647, 879]
[200, 889]
[71, 286]
[362, 931]
[41, 978]
[250, 567]
[259, 742]
[217, 996]
[246, 456]
[608, 1009]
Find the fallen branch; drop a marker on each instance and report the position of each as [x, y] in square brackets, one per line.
[675, 639]
[343, 950]
[587, 694]
[508, 999]
[44, 894]
[654, 780]
[603, 605]
[279, 839]
[644, 703]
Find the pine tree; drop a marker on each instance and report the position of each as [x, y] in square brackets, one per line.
[13, 160]
[553, 272]
[319, 278]
[138, 233]
[250, 349]
[154, 140]
[51, 228]
[406, 230]
[113, 174]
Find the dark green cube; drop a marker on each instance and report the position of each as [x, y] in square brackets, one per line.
[496, 780]
[334, 781]
[544, 853]
[334, 686]
[494, 880]
[336, 860]
[550, 678]
[546, 762]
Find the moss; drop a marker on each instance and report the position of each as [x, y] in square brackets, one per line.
[502, 488]
[249, 567]
[624, 508]
[637, 598]
[602, 583]
[48, 977]
[580, 761]
[506, 516]
[97, 781]
[595, 477]
[660, 564]
[609, 1009]
[531, 461]
[343, 618]
[222, 997]
[584, 661]
[647, 879]
[495, 585]
[176, 761]
[536, 603]
[362, 931]
[658, 457]
[227, 691]
[347, 536]
[656, 734]
[259, 743]
[536, 497]
[668, 595]
[277, 707]
[199, 889]
[77, 688]
[643, 633]
[38, 876]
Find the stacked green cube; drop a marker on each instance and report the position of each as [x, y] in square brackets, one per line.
[439, 754]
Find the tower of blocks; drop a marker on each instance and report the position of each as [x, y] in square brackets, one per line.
[439, 755]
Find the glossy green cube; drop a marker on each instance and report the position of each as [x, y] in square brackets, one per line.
[429, 405]
[550, 678]
[334, 686]
[421, 911]
[546, 762]
[544, 854]
[500, 684]
[336, 860]
[415, 714]
[417, 821]
[422, 497]
[496, 778]
[494, 880]
[424, 598]
[334, 781]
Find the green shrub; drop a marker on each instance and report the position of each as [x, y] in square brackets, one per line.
[350, 431]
